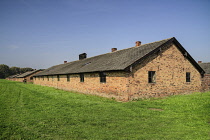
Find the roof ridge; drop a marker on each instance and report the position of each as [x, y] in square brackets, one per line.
[117, 60]
[204, 63]
[157, 41]
[142, 45]
[120, 50]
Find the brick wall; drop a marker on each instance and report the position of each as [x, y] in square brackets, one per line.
[115, 86]
[170, 67]
[19, 79]
[206, 82]
[28, 78]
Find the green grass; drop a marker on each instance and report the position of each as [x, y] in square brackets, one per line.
[30, 111]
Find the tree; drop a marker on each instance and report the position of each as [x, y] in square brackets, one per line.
[4, 71]
[14, 70]
[23, 70]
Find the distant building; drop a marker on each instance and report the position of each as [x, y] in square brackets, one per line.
[206, 79]
[13, 77]
[155, 69]
[27, 76]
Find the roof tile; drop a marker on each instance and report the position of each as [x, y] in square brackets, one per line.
[205, 67]
[118, 60]
[27, 73]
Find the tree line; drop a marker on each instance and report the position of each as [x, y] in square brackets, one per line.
[6, 71]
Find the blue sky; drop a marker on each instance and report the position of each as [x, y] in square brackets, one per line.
[43, 33]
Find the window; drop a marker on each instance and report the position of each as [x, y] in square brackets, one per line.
[151, 77]
[47, 78]
[31, 78]
[58, 77]
[52, 78]
[82, 77]
[102, 77]
[68, 78]
[187, 76]
[43, 78]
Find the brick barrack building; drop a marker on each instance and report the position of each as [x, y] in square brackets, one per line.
[27, 76]
[155, 69]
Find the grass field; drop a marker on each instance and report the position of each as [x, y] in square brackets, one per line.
[30, 111]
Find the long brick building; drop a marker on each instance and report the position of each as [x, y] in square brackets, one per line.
[155, 69]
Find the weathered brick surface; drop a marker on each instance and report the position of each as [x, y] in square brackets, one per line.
[115, 86]
[206, 82]
[170, 66]
[19, 79]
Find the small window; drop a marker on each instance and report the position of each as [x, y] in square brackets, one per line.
[47, 78]
[58, 77]
[151, 77]
[31, 78]
[43, 78]
[187, 76]
[102, 77]
[68, 78]
[52, 78]
[82, 77]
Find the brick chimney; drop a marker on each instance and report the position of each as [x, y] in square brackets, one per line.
[199, 61]
[138, 43]
[82, 56]
[65, 62]
[114, 49]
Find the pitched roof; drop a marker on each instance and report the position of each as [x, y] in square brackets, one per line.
[118, 60]
[28, 73]
[205, 67]
[13, 76]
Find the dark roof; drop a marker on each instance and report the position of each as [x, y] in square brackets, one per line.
[13, 76]
[205, 67]
[118, 60]
[28, 73]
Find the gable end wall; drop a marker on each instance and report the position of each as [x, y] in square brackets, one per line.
[171, 67]
[28, 78]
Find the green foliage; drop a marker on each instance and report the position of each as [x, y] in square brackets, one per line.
[14, 70]
[23, 70]
[30, 111]
[4, 71]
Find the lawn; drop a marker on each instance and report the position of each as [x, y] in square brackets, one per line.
[30, 111]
